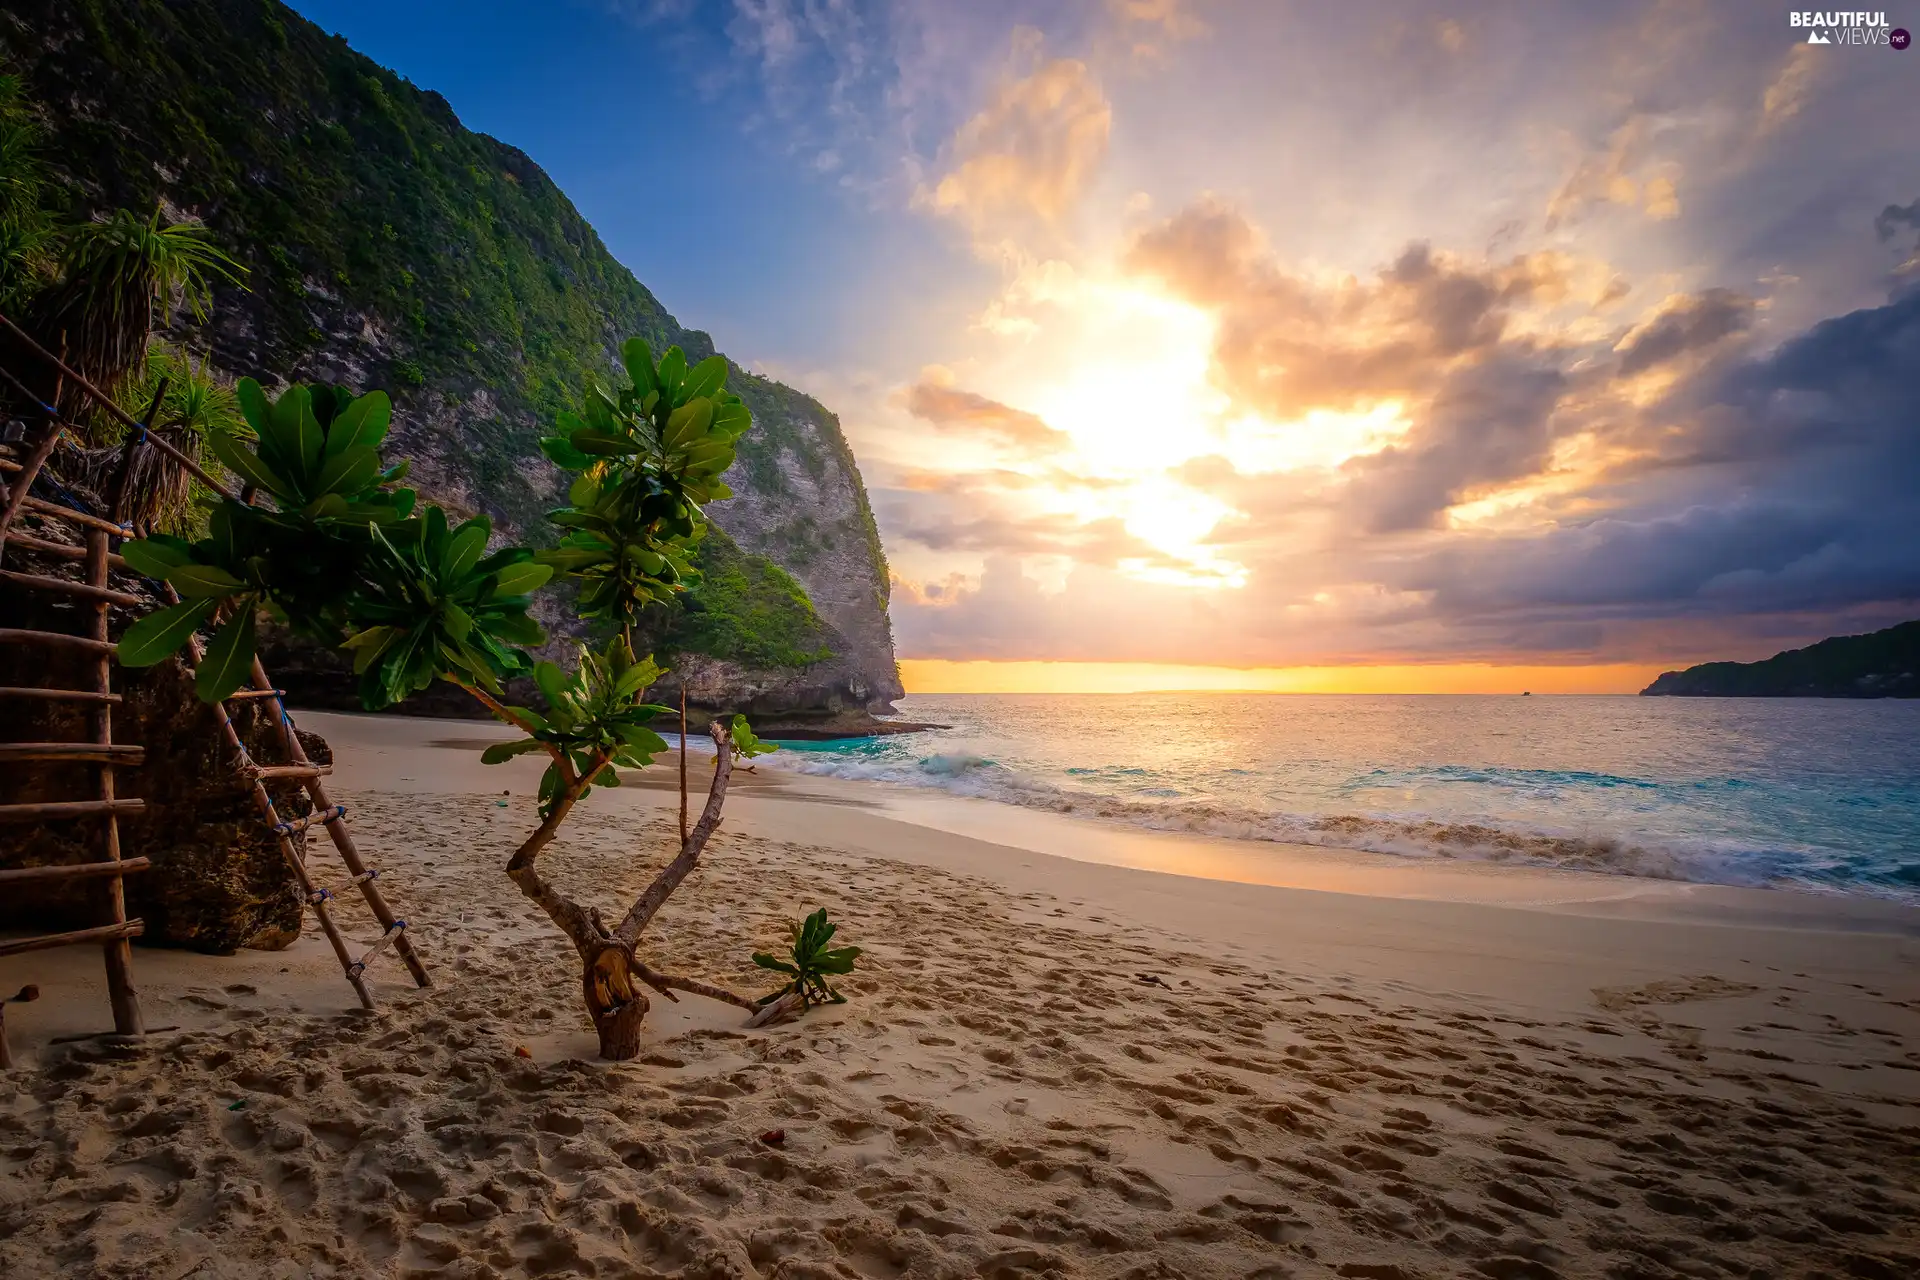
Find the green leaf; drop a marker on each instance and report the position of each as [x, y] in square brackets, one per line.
[668, 373]
[348, 472]
[766, 961]
[361, 425]
[244, 463]
[229, 659]
[253, 404]
[203, 581]
[519, 579]
[468, 543]
[501, 752]
[562, 454]
[638, 358]
[153, 556]
[705, 378]
[160, 634]
[368, 645]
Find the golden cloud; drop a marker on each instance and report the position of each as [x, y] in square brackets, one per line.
[1030, 153]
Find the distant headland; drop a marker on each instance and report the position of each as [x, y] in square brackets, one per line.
[1881, 664]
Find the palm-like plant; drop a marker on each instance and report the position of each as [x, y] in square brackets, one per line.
[194, 404]
[112, 274]
[810, 961]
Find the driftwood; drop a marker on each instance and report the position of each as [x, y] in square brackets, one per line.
[611, 974]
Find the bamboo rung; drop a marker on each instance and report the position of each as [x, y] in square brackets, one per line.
[75, 871]
[244, 695]
[78, 517]
[87, 589]
[59, 695]
[67, 809]
[78, 751]
[391, 936]
[63, 550]
[268, 773]
[57, 639]
[313, 819]
[105, 933]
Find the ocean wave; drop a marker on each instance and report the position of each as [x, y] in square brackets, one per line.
[1164, 808]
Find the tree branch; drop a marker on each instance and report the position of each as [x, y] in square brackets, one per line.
[503, 712]
[674, 872]
[664, 983]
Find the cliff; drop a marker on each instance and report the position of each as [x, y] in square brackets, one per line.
[1881, 664]
[389, 246]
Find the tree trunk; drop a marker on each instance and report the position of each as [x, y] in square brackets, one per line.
[613, 1002]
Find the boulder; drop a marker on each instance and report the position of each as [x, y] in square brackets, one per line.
[218, 881]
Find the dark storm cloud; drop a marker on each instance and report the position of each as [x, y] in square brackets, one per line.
[1801, 480]
[1684, 324]
[1489, 422]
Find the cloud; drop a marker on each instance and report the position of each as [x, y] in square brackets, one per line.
[1028, 156]
[1288, 343]
[1621, 173]
[1683, 323]
[959, 412]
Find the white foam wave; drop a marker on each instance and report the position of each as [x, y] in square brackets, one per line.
[1701, 861]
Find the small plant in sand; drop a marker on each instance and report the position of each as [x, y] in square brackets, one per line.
[810, 962]
[341, 553]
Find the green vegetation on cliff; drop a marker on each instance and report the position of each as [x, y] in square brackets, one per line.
[746, 609]
[1881, 664]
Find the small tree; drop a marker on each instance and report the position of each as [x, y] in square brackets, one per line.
[346, 555]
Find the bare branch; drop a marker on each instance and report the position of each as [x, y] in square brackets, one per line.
[665, 982]
[573, 919]
[674, 872]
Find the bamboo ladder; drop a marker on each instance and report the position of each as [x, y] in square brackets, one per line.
[300, 770]
[16, 479]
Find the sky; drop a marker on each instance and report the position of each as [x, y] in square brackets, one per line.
[1253, 344]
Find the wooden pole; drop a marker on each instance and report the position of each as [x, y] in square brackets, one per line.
[683, 760]
[118, 951]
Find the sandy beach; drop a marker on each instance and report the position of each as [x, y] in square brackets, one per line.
[1059, 1058]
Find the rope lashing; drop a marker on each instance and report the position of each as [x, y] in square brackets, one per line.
[369, 874]
[319, 896]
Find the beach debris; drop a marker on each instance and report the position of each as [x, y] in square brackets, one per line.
[1151, 980]
[241, 1105]
[26, 995]
[774, 1137]
[521, 1051]
[809, 962]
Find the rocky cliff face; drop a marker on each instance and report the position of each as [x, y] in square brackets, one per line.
[389, 246]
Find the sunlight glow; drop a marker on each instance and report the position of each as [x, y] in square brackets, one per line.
[938, 675]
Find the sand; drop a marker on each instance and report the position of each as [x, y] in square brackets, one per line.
[1319, 1065]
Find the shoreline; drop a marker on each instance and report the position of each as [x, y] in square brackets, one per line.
[1252, 862]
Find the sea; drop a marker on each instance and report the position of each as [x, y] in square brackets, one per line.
[1802, 793]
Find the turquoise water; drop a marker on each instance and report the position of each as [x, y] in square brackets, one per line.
[1803, 793]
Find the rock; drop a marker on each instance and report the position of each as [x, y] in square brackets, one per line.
[217, 882]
